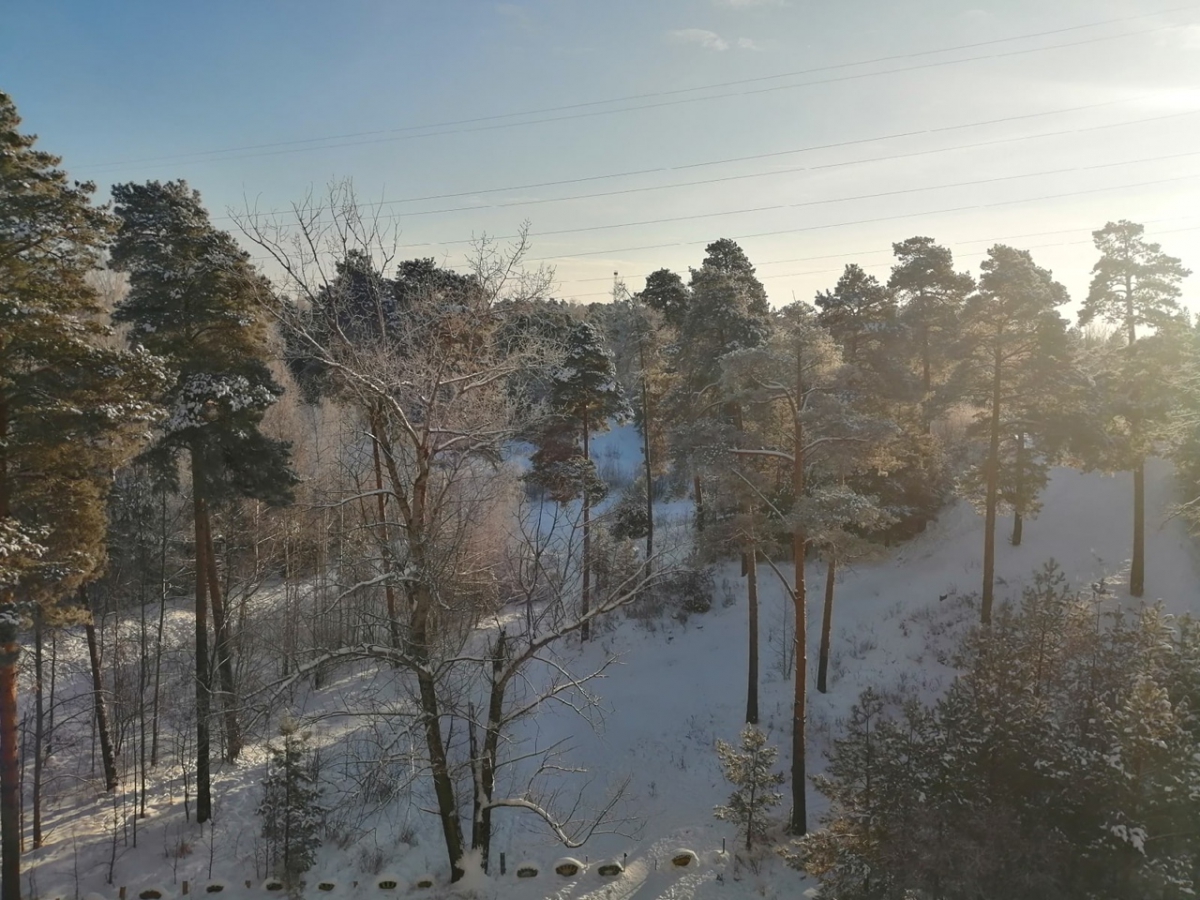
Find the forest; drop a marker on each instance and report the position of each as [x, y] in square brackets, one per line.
[293, 526]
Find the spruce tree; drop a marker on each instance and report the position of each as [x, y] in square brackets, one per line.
[195, 299]
[1134, 285]
[71, 408]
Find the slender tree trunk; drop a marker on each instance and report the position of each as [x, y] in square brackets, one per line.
[993, 489]
[102, 728]
[585, 603]
[1019, 493]
[39, 725]
[649, 470]
[224, 642]
[53, 685]
[389, 589]
[162, 617]
[10, 653]
[698, 494]
[750, 560]
[826, 626]
[1137, 565]
[203, 698]
[481, 837]
[799, 821]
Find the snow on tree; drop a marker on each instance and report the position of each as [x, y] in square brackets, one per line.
[748, 767]
[291, 806]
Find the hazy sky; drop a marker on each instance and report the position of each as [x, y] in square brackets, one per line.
[851, 123]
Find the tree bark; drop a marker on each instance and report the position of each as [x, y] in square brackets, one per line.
[799, 820]
[750, 560]
[585, 602]
[203, 699]
[389, 589]
[698, 495]
[1137, 565]
[826, 626]
[39, 726]
[10, 653]
[481, 836]
[649, 470]
[102, 729]
[993, 486]
[233, 733]
[1019, 493]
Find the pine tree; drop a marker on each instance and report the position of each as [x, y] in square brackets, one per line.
[1009, 328]
[195, 299]
[584, 396]
[291, 807]
[71, 409]
[666, 294]
[748, 768]
[932, 294]
[858, 312]
[1134, 284]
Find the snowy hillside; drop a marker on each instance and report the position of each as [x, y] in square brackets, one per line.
[678, 687]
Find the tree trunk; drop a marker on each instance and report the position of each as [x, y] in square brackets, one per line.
[443, 784]
[102, 729]
[826, 626]
[481, 836]
[233, 733]
[750, 560]
[698, 494]
[389, 589]
[799, 821]
[993, 487]
[203, 700]
[39, 726]
[10, 653]
[1137, 565]
[585, 603]
[649, 472]
[158, 644]
[1019, 493]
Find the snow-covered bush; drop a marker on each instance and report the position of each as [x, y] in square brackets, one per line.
[748, 768]
[1061, 763]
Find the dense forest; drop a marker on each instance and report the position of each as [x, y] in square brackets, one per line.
[230, 479]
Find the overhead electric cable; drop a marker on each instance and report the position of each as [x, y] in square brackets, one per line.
[406, 132]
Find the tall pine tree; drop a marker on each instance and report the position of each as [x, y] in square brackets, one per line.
[195, 299]
[70, 408]
[1010, 329]
[1134, 285]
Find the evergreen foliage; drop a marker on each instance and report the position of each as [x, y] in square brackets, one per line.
[72, 408]
[291, 807]
[1060, 764]
[748, 767]
[195, 300]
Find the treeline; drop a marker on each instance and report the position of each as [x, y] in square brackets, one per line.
[368, 514]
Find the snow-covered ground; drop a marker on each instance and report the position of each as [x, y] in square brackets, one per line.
[678, 687]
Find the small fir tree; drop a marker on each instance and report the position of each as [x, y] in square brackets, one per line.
[291, 807]
[748, 769]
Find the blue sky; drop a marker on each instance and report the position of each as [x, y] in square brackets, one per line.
[263, 100]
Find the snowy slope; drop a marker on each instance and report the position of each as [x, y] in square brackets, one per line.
[677, 689]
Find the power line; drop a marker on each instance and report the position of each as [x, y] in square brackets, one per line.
[874, 220]
[768, 155]
[888, 250]
[804, 203]
[886, 264]
[405, 133]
